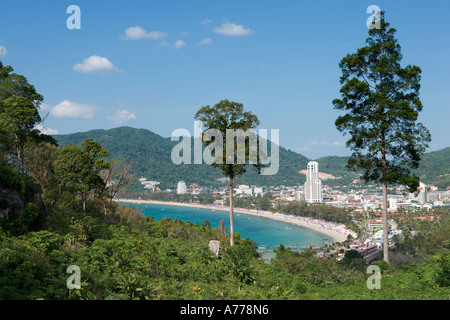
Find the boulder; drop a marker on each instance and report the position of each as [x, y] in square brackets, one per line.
[11, 204]
[215, 246]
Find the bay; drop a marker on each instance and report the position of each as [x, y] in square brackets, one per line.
[267, 233]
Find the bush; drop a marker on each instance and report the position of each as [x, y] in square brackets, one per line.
[29, 217]
[237, 260]
[383, 265]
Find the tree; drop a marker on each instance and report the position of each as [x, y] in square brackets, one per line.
[19, 104]
[382, 103]
[17, 119]
[15, 84]
[223, 116]
[78, 169]
[116, 177]
[39, 164]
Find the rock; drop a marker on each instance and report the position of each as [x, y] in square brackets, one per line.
[215, 246]
[11, 204]
[35, 197]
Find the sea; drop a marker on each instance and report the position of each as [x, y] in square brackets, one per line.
[267, 233]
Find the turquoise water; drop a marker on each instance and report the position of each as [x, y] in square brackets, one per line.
[264, 231]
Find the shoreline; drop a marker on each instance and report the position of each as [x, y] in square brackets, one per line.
[336, 232]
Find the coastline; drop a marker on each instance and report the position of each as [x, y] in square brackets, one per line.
[336, 232]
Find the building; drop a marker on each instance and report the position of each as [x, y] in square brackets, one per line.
[258, 191]
[244, 190]
[392, 204]
[378, 224]
[313, 185]
[422, 192]
[181, 188]
[299, 196]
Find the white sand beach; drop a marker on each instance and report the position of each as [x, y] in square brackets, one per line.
[336, 232]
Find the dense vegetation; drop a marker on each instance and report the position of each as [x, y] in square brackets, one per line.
[125, 256]
[60, 213]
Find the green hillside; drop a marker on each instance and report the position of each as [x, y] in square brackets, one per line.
[151, 155]
[435, 168]
[333, 165]
[434, 164]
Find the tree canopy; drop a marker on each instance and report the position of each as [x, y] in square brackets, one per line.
[382, 105]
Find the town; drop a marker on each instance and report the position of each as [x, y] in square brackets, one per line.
[363, 201]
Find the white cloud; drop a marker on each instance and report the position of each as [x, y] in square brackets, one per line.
[67, 109]
[204, 42]
[232, 30]
[137, 33]
[122, 116]
[207, 21]
[179, 44]
[44, 107]
[326, 143]
[44, 130]
[316, 143]
[162, 44]
[3, 51]
[96, 64]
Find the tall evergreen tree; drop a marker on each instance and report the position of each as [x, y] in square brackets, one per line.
[382, 104]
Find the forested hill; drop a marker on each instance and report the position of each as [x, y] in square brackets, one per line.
[151, 155]
[435, 168]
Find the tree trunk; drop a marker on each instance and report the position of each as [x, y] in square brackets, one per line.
[84, 200]
[384, 183]
[231, 214]
[385, 224]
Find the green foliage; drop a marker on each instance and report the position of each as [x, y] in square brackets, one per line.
[353, 259]
[383, 265]
[125, 256]
[29, 217]
[78, 169]
[19, 103]
[317, 211]
[223, 116]
[381, 101]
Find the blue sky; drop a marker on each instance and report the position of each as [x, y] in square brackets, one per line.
[153, 64]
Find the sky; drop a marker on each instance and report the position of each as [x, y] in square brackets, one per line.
[153, 64]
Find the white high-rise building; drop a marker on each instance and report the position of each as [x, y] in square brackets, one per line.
[422, 192]
[313, 185]
[181, 188]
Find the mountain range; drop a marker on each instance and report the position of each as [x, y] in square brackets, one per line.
[151, 155]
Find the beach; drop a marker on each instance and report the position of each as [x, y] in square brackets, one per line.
[334, 231]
